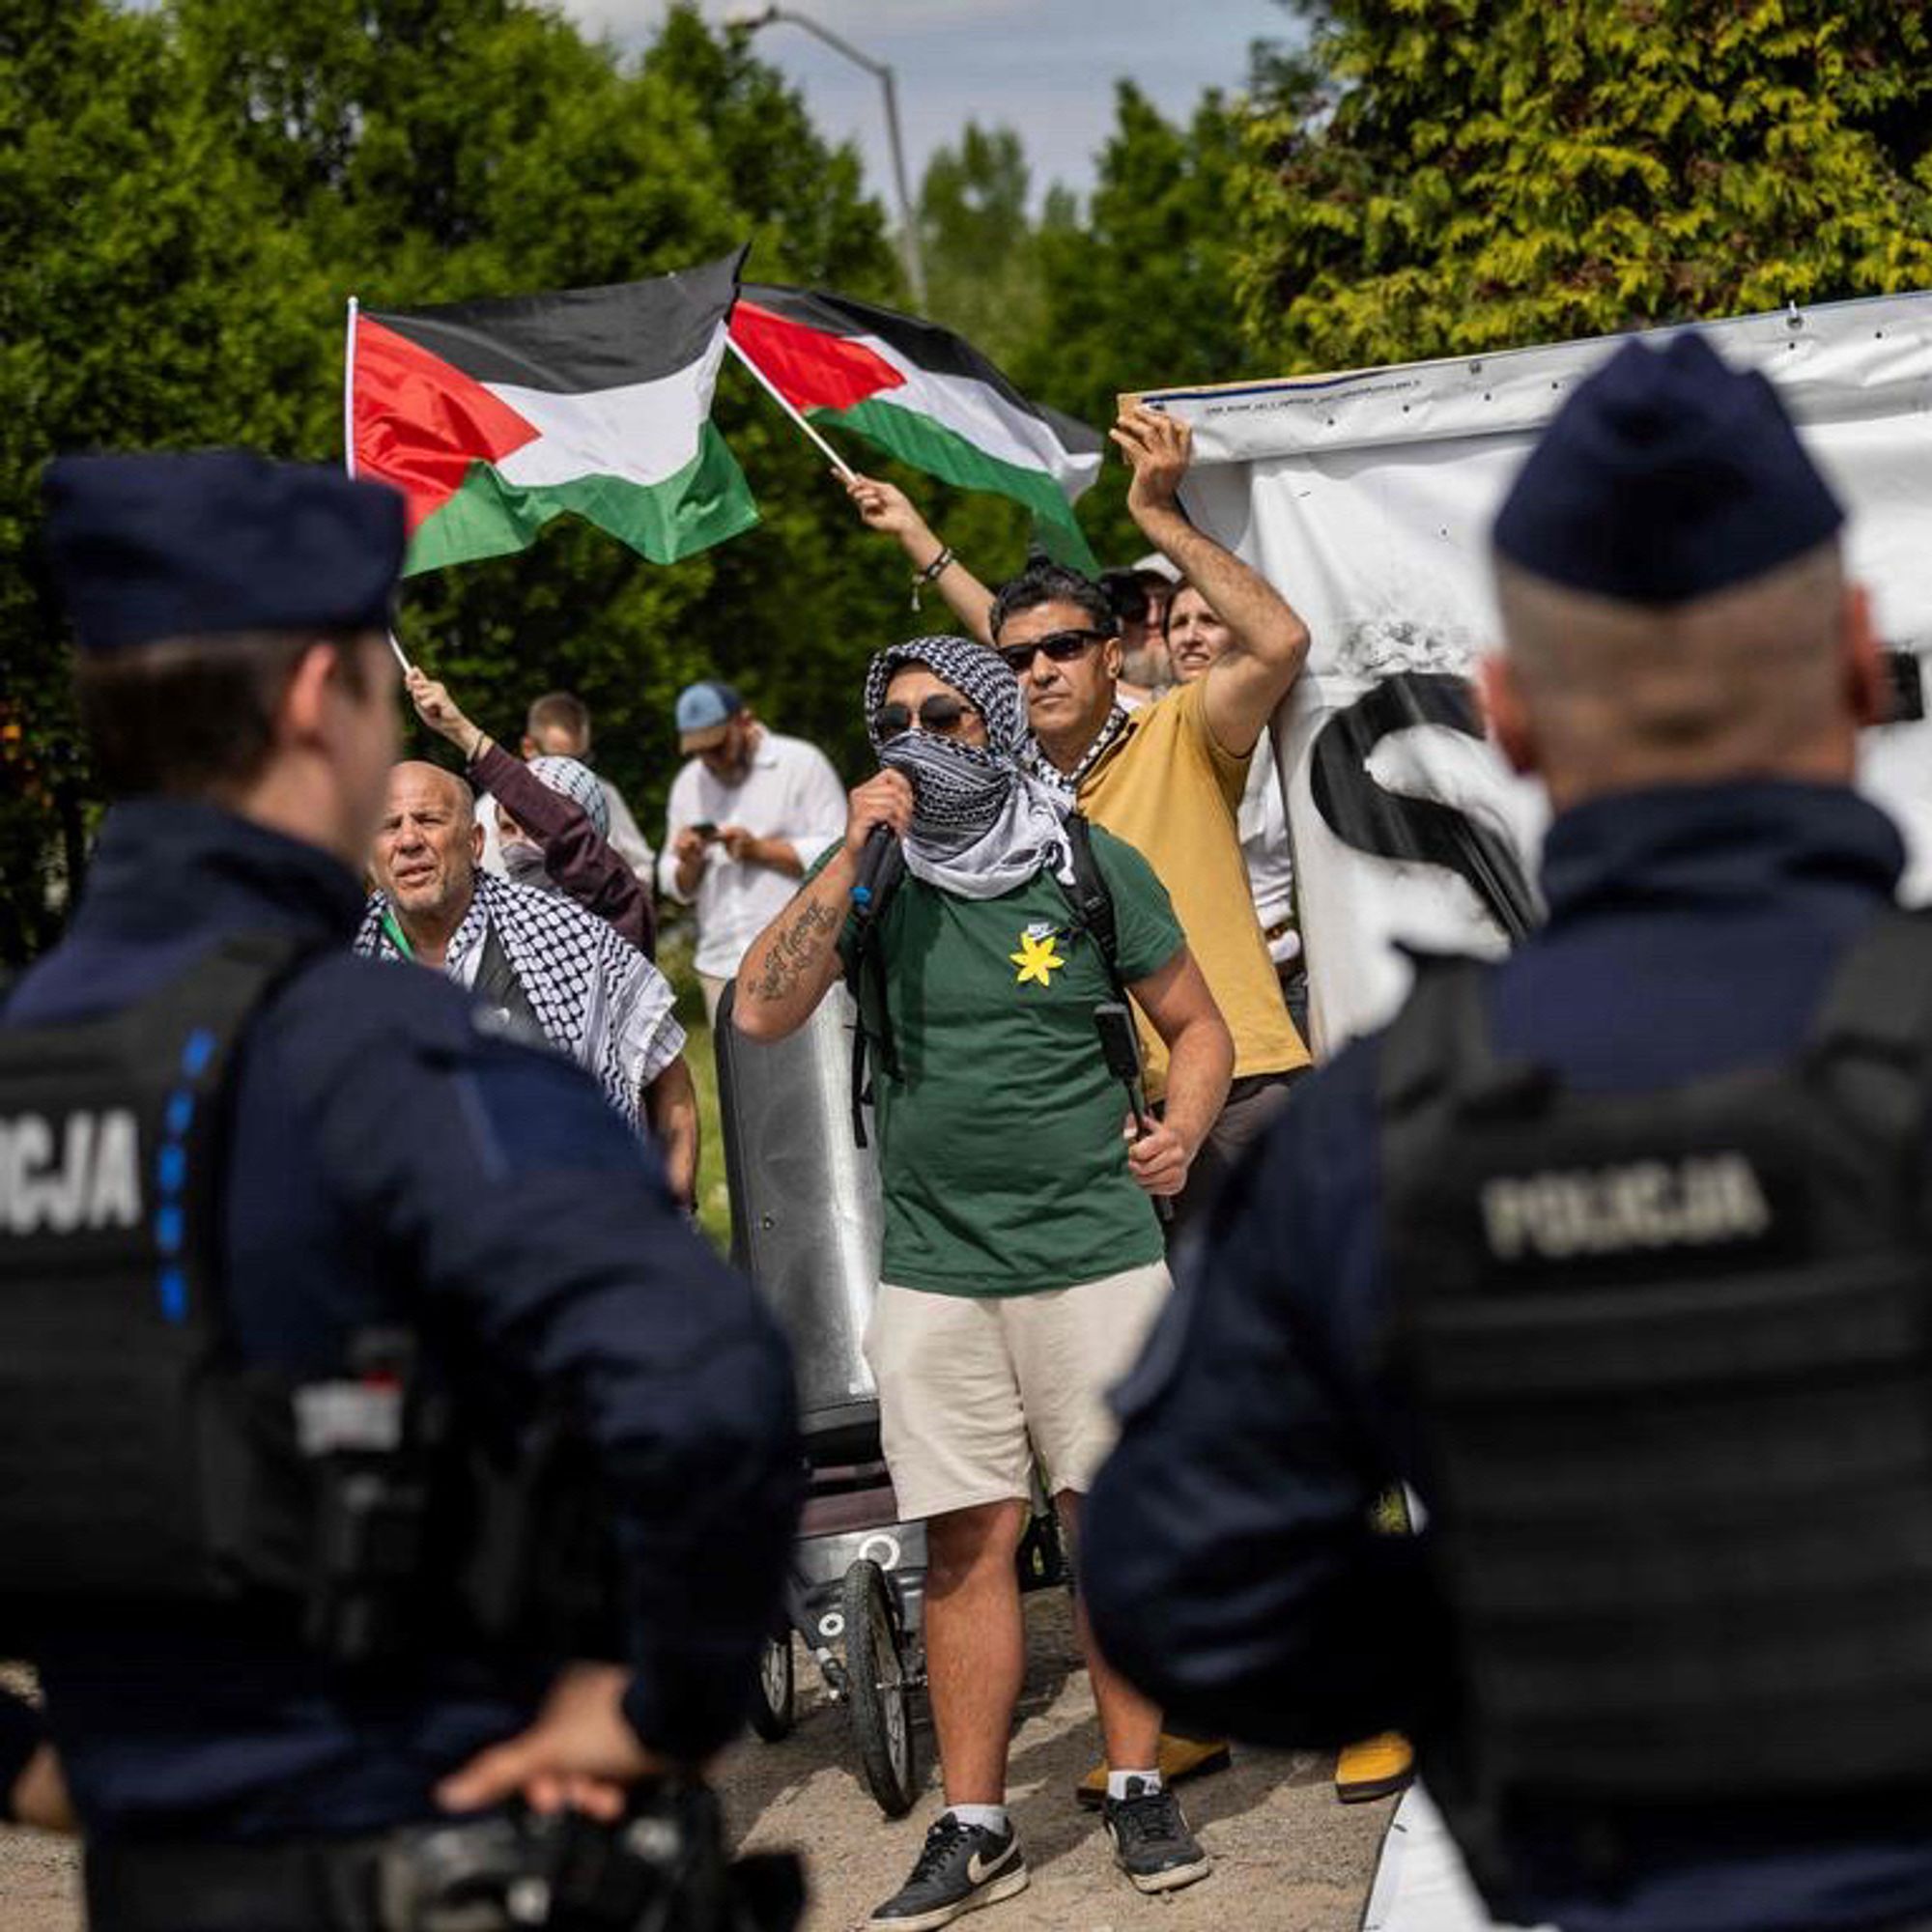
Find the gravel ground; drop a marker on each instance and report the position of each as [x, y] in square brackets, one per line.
[1288, 1856]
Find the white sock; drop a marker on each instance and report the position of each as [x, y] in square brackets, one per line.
[989, 1817]
[1117, 1782]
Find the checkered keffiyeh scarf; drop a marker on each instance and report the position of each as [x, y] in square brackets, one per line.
[1067, 784]
[597, 998]
[981, 823]
[577, 781]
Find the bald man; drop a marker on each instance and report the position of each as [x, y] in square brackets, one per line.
[427, 855]
[1613, 1251]
[542, 964]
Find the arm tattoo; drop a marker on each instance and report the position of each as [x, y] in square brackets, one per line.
[797, 950]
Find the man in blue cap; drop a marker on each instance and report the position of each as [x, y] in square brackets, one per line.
[332, 1321]
[1615, 1252]
[748, 813]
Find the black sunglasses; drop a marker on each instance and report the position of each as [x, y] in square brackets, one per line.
[938, 713]
[1060, 645]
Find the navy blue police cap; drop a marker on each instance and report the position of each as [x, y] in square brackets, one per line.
[1667, 475]
[215, 542]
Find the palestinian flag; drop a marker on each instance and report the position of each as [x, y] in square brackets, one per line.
[924, 395]
[492, 417]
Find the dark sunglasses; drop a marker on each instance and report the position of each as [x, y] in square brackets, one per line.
[938, 713]
[1060, 646]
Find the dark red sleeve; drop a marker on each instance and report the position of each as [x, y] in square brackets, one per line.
[581, 863]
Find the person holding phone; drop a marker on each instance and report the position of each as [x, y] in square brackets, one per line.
[748, 813]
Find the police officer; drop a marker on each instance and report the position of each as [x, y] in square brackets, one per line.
[247, 1174]
[1614, 1251]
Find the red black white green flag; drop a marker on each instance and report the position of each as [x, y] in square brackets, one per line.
[493, 417]
[926, 396]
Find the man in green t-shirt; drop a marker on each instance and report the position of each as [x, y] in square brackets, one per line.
[1022, 1258]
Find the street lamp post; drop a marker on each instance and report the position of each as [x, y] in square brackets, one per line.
[915, 261]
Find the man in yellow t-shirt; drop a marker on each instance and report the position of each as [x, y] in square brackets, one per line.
[1168, 776]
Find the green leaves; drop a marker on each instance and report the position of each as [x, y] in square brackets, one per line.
[1487, 173]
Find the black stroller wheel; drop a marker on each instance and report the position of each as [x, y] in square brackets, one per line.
[772, 1706]
[878, 1690]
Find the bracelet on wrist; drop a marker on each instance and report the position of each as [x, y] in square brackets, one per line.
[933, 572]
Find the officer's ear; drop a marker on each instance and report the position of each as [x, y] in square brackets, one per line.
[304, 712]
[1508, 714]
[1867, 688]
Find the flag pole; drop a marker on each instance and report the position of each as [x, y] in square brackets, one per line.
[783, 402]
[349, 393]
[349, 436]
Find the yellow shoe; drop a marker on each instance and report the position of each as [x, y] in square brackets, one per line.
[1375, 1767]
[1179, 1757]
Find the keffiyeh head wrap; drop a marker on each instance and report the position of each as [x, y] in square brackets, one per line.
[981, 823]
[598, 1000]
[579, 782]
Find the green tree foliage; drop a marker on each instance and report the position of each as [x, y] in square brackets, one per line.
[135, 243]
[1142, 291]
[978, 237]
[1079, 304]
[1459, 175]
[192, 192]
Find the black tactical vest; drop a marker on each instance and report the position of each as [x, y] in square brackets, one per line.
[138, 1461]
[1670, 1355]
[146, 1468]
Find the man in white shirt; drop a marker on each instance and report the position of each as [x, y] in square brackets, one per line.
[748, 813]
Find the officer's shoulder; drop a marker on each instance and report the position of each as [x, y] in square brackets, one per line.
[348, 1021]
[357, 1000]
[1324, 1142]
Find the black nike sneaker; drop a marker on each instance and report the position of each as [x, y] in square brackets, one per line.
[961, 1868]
[1151, 1842]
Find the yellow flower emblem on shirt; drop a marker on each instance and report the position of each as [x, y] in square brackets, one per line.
[1036, 959]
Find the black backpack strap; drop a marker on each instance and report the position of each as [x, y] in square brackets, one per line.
[865, 982]
[1879, 1000]
[1091, 899]
[1872, 1035]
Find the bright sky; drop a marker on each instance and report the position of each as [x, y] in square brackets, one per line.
[1046, 67]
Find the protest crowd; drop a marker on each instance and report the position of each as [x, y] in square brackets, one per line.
[1362, 1403]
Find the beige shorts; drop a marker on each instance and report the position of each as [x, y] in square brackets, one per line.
[970, 1389]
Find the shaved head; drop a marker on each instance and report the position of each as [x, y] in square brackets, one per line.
[426, 853]
[1769, 678]
[415, 775]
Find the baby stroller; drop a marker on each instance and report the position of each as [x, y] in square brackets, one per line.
[805, 1226]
